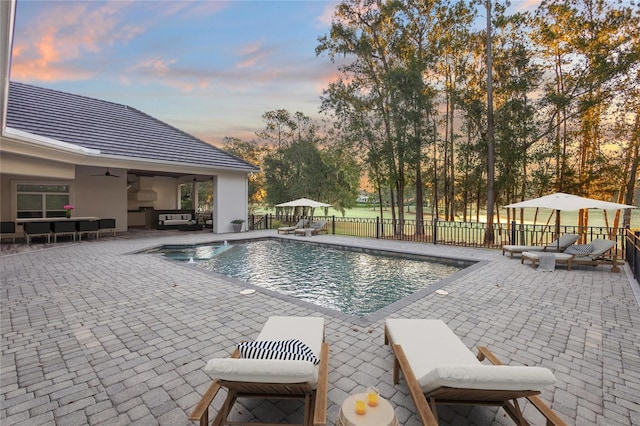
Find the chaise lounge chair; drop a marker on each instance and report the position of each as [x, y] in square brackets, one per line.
[271, 368]
[559, 244]
[594, 253]
[439, 369]
[289, 229]
[314, 229]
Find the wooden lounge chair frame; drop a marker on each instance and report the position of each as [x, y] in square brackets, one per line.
[558, 245]
[315, 400]
[291, 229]
[426, 402]
[569, 260]
[315, 228]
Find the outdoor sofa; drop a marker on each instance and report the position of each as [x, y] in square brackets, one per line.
[170, 221]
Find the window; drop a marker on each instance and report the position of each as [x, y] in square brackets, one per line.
[41, 200]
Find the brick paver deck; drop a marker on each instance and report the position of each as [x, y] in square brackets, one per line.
[92, 334]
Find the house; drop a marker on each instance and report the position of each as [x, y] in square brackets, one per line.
[107, 159]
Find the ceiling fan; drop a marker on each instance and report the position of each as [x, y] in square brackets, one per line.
[107, 174]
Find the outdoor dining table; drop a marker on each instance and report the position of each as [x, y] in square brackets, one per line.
[56, 219]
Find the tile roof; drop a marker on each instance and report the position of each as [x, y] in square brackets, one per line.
[112, 128]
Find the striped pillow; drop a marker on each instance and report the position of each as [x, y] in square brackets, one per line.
[580, 249]
[292, 349]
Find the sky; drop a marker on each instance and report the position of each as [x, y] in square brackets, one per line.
[211, 68]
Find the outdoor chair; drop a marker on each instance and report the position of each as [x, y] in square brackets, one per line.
[63, 228]
[107, 225]
[558, 245]
[289, 359]
[314, 229]
[594, 253]
[290, 229]
[88, 227]
[37, 229]
[439, 369]
[8, 230]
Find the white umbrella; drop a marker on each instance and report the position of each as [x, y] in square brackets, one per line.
[303, 202]
[568, 202]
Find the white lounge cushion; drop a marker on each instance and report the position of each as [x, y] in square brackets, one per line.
[491, 377]
[429, 344]
[263, 370]
[309, 330]
[439, 358]
[520, 249]
[561, 257]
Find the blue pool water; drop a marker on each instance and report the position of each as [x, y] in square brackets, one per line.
[182, 252]
[352, 282]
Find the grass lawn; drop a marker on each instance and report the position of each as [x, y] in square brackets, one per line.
[596, 217]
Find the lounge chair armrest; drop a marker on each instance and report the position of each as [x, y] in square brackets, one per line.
[200, 412]
[541, 406]
[425, 413]
[484, 352]
[546, 411]
[320, 411]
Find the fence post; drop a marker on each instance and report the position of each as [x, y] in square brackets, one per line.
[635, 255]
[333, 224]
[435, 230]
[513, 232]
[378, 227]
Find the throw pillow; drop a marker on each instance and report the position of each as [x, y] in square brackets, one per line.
[292, 349]
[580, 249]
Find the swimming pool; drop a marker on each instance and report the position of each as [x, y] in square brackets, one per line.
[353, 282]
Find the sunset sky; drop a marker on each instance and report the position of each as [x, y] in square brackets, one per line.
[210, 68]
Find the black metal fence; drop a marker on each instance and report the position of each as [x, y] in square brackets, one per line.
[632, 252]
[467, 234]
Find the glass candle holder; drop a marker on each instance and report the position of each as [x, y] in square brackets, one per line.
[360, 401]
[372, 396]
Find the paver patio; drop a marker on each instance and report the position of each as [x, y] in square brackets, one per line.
[92, 334]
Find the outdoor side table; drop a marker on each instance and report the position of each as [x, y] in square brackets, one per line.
[381, 415]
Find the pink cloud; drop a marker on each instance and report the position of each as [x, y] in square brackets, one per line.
[525, 5]
[61, 35]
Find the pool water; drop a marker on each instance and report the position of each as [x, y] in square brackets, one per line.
[353, 282]
[182, 252]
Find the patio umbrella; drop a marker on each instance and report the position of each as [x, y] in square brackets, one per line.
[304, 202]
[568, 202]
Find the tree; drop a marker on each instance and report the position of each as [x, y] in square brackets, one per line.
[253, 153]
[308, 165]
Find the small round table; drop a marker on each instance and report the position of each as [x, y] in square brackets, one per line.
[381, 415]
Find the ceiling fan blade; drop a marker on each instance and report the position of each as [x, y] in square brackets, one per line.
[107, 174]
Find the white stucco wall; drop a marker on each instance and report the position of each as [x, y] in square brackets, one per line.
[101, 196]
[230, 200]
[167, 190]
